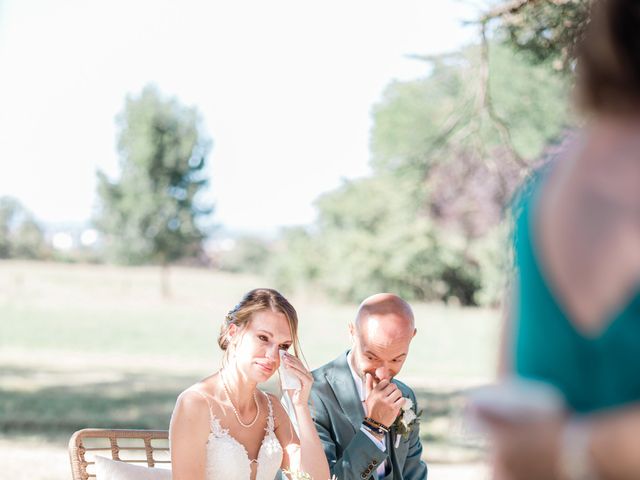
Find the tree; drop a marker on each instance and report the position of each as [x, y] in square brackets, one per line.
[448, 151]
[7, 211]
[427, 223]
[151, 213]
[548, 30]
[249, 253]
[20, 234]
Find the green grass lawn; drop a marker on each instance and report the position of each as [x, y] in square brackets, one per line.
[87, 345]
[56, 309]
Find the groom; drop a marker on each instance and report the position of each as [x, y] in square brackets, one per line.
[356, 400]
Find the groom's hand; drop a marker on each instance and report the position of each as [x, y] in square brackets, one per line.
[384, 400]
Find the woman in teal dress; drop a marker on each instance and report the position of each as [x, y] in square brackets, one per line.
[575, 317]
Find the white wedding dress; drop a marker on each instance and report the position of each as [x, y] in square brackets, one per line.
[227, 459]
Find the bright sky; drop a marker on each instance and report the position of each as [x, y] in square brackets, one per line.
[285, 88]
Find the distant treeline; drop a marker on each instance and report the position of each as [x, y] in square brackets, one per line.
[431, 221]
[448, 151]
[20, 234]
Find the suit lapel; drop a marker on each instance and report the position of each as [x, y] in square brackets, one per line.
[397, 469]
[344, 389]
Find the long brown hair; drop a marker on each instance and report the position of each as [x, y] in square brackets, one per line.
[608, 63]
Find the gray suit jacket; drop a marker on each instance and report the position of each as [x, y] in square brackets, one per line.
[338, 414]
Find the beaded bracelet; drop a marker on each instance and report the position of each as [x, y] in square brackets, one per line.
[376, 423]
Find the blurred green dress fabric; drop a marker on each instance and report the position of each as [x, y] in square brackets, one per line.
[593, 373]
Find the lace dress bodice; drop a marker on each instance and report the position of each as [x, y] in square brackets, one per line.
[228, 459]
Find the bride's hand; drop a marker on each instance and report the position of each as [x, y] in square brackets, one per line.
[296, 367]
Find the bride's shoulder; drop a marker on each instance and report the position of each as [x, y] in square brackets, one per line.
[196, 397]
[190, 417]
[190, 399]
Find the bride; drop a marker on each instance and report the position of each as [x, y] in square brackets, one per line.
[224, 427]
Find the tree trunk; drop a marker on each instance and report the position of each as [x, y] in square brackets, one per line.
[165, 284]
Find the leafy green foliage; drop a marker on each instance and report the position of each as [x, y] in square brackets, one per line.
[151, 213]
[249, 253]
[420, 123]
[296, 259]
[548, 30]
[427, 223]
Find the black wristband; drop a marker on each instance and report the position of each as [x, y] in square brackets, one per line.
[376, 423]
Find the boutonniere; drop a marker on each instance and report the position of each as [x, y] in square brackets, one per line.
[406, 420]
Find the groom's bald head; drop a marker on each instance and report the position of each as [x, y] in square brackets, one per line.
[386, 310]
[382, 331]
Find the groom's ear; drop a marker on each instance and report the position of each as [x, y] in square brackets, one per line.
[352, 330]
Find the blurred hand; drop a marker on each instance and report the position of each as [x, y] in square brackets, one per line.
[525, 450]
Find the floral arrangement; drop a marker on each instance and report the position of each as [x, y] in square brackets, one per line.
[406, 420]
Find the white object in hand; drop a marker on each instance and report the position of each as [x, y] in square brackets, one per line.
[517, 400]
[288, 379]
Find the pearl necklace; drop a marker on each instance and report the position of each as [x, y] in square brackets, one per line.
[245, 425]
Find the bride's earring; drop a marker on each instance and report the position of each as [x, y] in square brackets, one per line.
[232, 351]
